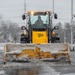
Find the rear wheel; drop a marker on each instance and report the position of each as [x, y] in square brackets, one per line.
[55, 40]
[4, 63]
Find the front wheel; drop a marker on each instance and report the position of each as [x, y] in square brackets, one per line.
[24, 39]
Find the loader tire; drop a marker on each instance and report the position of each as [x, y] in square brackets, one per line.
[4, 63]
[69, 62]
[24, 39]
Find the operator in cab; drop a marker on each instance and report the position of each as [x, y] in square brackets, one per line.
[39, 21]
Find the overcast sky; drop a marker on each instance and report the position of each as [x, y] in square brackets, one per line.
[13, 9]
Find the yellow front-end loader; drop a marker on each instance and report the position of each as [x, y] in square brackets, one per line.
[39, 41]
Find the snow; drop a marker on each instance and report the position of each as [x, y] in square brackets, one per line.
[52, 47]
[69, 74]
[2, 46]
[1, 72]
[48, 70]
[1, 55]
[41, 68]
[14, 52]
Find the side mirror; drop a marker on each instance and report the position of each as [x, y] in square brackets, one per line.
[56, 27]
[23, 17]
[23, 28]
[55, 16]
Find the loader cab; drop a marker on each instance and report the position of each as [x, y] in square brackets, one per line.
[39, 29]
[39, 20]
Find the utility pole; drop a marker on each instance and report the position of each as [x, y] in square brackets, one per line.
[53, 13]
[24, 6]
[25, 14]
[65, 37]
[53, 6]
[71, 22]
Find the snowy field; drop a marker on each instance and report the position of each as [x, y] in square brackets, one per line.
[1, 52]
[36, 68]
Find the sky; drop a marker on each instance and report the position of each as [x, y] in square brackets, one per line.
[14, 9]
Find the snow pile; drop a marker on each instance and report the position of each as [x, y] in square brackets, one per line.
[14, 52]
[53, 47]
[1, 72]
[1, 52]
[69, 74]
[1, 56]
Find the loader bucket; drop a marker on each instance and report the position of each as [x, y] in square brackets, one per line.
[36, 51]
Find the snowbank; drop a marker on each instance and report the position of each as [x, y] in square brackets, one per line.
[1, 52]
[69, 74]
[1, 72]
[1, 56]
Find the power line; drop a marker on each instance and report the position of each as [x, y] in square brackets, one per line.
[21, 16]
[14, 17]
[12, 4]
[30, 4]
[28, 9]
[13, 10]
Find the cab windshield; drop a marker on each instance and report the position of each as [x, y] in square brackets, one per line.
[39, 21]
[35, 18]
